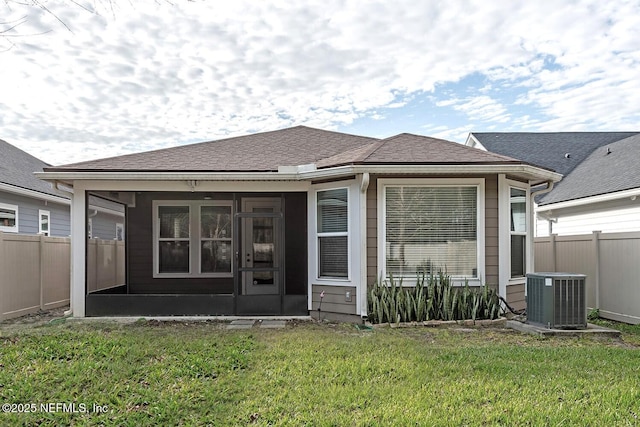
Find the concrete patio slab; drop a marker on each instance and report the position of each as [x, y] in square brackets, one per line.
[591, 331]
[241, 324]
[273, 324]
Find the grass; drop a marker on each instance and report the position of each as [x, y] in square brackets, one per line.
[198, 374]
[631, 332]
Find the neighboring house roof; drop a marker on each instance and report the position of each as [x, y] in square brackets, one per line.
[609, 169]
[300, 145]
[579, 156]
[548, 149]
[17, 168]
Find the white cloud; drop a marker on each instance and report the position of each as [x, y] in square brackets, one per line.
[150, 74]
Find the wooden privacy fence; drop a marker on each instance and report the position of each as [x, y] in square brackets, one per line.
[611, 262]
[35, 271]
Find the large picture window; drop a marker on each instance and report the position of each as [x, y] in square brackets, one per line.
[333, 233]
[8, 218]
[518, 231]
[431, 228]
[193, 238]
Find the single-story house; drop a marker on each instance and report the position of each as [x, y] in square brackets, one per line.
[601, 183]
[29, 205]
[265, 224]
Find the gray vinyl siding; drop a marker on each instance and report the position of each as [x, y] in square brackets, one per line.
[60, 217]
[103, 226]
[104, 215]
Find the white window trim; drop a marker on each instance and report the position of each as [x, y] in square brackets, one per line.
[504, 233]
[14, 228]
[518, 186]
[333, 234]
[354, 238]
[479, 183]
[194, 239]
[42, 213]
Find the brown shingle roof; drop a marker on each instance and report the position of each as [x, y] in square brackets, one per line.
[256, 153]
[299, 145]
[415, 149]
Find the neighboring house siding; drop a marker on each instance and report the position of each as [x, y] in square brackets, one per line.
[619, 216]
[28, 214]
[103, 226]
[491, 230]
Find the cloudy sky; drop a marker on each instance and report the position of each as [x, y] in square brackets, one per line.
[89, 79]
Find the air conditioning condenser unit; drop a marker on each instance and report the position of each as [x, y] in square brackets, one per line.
[557, 300]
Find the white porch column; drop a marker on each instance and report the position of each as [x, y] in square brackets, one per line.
[78, 251]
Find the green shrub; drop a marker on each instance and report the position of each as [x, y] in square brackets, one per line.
[432, 298]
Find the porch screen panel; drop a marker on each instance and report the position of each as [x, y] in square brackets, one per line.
[332, 228]
[431, 229]
[215, 239]
[173, 240]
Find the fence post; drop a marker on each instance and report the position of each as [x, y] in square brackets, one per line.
[552, 242]
[595, 238]
[41, 266]
[3, 284]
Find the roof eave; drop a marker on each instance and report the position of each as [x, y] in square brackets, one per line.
[529, 172]
[631, 193]
[21, 191]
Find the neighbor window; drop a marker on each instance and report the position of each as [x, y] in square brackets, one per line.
[518, 230]
[333, 233]
[193, 238]
[119, 231]
[8, 218]
[44, 220]
[428, 229]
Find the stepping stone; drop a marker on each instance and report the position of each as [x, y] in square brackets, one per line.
[273, 324]
[241, 324]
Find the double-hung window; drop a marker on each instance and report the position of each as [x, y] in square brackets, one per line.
[193, 238]
[174, 245]
[429, 228]
[215, 239]
[8, 218]
[518, 231]
[333, 233]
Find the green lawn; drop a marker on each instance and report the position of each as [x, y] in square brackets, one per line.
[199, 374]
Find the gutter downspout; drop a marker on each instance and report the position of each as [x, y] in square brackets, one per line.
[533, 195]
[67, 313]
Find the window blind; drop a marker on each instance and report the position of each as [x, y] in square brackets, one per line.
[332, 228]
[431, 228]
